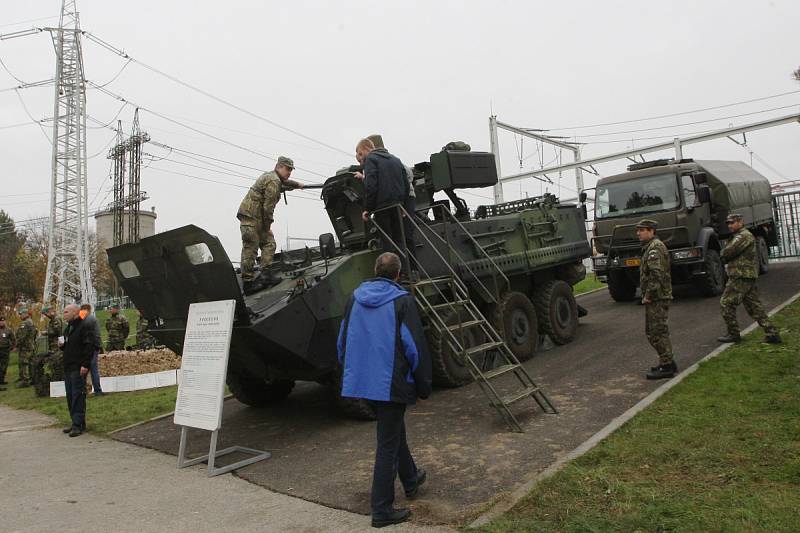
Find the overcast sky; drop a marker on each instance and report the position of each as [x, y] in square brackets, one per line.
[420, 73]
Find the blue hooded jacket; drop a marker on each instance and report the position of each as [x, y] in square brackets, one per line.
[382, 346]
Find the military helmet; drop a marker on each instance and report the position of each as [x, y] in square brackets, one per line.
[647, 223]
[285, 161]
[733, 217]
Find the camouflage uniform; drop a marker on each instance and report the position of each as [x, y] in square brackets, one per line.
[741, 265]
[55, 329]
[656, 283]
[143, 338]
[26, 348]
[118, 329]
[255, 219]
[8, 342]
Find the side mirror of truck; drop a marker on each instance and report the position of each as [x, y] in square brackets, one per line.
[700, 178]
[704, 194]
[582, 197]
[327, 246]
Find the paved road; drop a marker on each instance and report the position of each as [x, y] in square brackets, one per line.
[456, 435]
[54, 483]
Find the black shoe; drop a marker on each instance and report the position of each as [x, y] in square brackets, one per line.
[397, 516]
[75, 432]
[422, 476]
[729, 338]
[663, 371]
[66, 429]
[249, 287]
[773, 339]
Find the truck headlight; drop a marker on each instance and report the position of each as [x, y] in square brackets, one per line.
[683, 255]
[600, 261]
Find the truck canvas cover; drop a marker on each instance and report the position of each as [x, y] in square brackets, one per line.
[737, 188]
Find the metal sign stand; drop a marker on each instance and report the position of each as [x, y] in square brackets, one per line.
[213, 454]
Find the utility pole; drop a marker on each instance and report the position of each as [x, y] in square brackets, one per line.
[68, 276]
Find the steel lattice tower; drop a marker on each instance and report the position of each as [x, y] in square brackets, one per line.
[68, 274]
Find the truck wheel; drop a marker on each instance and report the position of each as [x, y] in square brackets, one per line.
[713, 282]
[620, 287]
[514, 318]
[763, 255]
[449, 368]
[355, 408]
[258, 392]
[557, 311]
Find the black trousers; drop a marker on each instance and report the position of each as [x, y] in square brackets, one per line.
[392, 457]
[75, 387]
[401, 233]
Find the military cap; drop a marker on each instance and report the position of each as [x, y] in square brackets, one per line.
[734, 217]
[647, 224]
[114, 306]
[23, 310]
[46, 308]
[285, 161]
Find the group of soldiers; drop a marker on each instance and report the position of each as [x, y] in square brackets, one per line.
[741, 266]
[24, 339]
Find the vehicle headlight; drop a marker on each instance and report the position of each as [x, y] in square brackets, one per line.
[600, 261]
[682, 255]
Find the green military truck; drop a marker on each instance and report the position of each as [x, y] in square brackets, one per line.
[690, 200]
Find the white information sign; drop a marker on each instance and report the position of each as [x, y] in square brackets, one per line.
[201, 385]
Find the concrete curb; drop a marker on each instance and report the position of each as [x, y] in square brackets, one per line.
[510, 500]
[605, 288]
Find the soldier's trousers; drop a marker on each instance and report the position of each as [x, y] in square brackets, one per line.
[253, 239]
[25, 359]
[4, 355]
[115, 344]
[741, 290]
[656, 328]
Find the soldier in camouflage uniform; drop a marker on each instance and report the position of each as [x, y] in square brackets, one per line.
[741, 265]
[8, 341]
[118, 330]
[143, 339]
[55, 328]
[255, 221]
[655, 280]
[26, 347]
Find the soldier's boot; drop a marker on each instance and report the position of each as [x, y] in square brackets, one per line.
[773, 339]
[663, 371]
[249, 287]
[729, 337]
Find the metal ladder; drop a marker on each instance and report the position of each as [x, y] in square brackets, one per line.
[436, 296]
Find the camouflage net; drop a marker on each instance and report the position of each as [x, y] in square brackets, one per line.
[129, 363]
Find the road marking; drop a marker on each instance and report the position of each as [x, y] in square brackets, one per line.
[508, 501]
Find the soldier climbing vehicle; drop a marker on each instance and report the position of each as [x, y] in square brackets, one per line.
[488, 285]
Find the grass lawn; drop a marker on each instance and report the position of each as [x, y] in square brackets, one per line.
[103, 415]
[130, 314]
[589, 283]
[719, 452]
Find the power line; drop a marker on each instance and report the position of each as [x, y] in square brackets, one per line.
[27, 21]
[37, 122]
[669, 115]
[174, 79]
[687, 123]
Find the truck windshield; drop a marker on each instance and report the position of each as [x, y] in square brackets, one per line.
[640, 195]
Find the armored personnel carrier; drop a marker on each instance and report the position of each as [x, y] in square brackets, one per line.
[488, 283]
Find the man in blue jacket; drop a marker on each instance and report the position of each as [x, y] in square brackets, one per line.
[385, 358]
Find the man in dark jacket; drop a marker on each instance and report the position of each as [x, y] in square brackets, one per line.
[78, 347]
[385, 184]
[385, 361]
[90, 322]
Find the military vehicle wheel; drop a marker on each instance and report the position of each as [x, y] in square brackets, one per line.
[449, 368]
[713, 282]
[354, 408]
[557, 311]
[763, 255]
[620, 287]
[515, 319]
[258, 392]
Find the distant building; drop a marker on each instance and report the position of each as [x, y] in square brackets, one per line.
[104, 221]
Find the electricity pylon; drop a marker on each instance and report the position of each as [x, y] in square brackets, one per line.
[68, 274]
